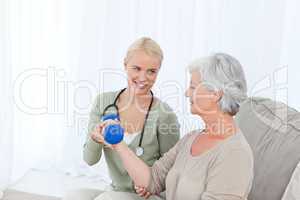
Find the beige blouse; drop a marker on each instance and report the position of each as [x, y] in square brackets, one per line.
[225, 172]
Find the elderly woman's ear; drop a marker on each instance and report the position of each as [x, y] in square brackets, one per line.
[218, 95]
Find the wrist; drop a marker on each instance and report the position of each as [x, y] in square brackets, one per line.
[119, 147]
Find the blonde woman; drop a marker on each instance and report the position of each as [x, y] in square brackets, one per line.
[214, 164]
[151, 126]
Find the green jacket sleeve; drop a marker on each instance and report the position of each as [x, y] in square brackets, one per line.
[92, 150]
[168, 129]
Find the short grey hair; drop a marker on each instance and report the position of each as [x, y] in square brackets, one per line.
[222, 72]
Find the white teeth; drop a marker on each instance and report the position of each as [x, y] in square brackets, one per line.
[140, 85]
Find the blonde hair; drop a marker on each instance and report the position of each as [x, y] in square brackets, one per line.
[147, 45]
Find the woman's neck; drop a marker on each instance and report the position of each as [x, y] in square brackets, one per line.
[129, 97]
[219, 124]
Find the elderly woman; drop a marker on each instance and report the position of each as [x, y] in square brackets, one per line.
[214, 164]
[150, 124]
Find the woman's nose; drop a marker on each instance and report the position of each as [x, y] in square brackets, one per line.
[187, 94]
[143, 76]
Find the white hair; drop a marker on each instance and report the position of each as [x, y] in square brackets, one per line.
[222, 72]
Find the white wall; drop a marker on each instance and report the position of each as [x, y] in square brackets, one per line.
[54, 52]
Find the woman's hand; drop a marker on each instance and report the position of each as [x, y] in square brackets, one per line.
[97, 134]
[142, 192]
[133, 164]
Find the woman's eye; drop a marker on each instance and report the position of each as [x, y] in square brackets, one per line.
[135, 68]
[152, 71]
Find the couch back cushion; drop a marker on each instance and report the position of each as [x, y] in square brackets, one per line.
[273, 131]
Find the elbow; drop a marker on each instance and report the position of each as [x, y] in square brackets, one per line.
[90, 162]
[91, 158]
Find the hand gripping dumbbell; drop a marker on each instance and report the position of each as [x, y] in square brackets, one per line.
[113, 133]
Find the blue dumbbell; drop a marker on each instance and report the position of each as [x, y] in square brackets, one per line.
[113, 133]
[110, 116]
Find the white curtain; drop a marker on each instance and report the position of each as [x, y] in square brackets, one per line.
[56, 55]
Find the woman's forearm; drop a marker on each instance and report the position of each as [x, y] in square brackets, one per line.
[136, 168]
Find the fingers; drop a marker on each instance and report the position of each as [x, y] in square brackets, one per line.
[142, 192]
[147, 195]
[109, 121]
[138, 189]
[97, 137]
[97, 134]
[106, 123]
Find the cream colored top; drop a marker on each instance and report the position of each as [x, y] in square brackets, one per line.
[224, 172]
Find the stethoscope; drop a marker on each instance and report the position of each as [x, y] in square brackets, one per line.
[139, 151]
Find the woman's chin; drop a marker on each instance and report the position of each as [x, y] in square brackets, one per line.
[193, 111]
[141, 91]
[136, 90]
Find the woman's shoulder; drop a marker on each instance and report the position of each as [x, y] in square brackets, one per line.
[109, 94]
[104, 98]
[239, 145]
[189, 136]
[162, 107]
[193, 133]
